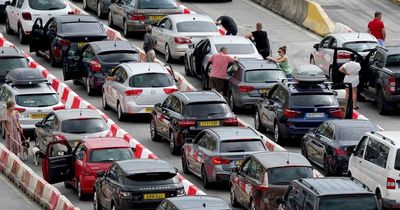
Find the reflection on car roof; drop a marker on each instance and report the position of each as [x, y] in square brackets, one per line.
[281, 159]
[66, 114]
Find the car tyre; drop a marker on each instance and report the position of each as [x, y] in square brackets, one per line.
[172, 144]
[204, 178]
[232, 196]
[204, 82]
[312, 60]
[185, 167]
[257, 122]
[104, 102]
[327, 170]
[110, 20]
[121, 115]
[96, 202]
[84, 5]
[153, 131]
[382, 105]
[277, 134]
[53, 61]
[167, 54]
[8, 28]
[186, 65]
[22, 37]
[379, 197]
[67, 185]
[127, 34]
[81, 195]
[89, 90]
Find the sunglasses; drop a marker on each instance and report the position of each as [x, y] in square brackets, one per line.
[279, 51]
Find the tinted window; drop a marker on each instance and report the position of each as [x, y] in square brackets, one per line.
[109, 155]
[360, 46]
[151, 80]
[397, 161]
[153, 178]
[284, 175]
[157, 4]
[348, 202]
[204, 110]
[196, 26]
[354, 134]
[262, 76]
[237, 48]
[82, 28]
[249, 145]
[36, 100]
[376, 153]
[393, 60]
[8, 64]
[117, 57]
[80, 126]
[361, 147]
[314, 100]
[47, 4]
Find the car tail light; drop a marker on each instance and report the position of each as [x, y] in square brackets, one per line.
[343, 55]
[95, 66]
[245, 88]
[390, 183]
[290, 113]
[60, 137]
[186, 123]
[338, 113]
[134, 92]
[58, 107]
[26, 16]
[220, 161]
[138, 17]
[182, 40]
[340, 152]
[20, 110]
[231, 121]
[169, 90]
[392, 84]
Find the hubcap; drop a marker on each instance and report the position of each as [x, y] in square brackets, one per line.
[204, 176]
[79, 189]
[119, 111]
[166, 52]
[87, 85]
[109, 19]
[84, 3]
[125, 29]
[98, 10]
[20, 34]
[276, 133]
[104, 101]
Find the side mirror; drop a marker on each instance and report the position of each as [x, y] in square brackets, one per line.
[235, 169]
[176, 170]
[101, 173]
[316, 46]
[158, 105]
[279, 200]
[7, 3]
[191, 46]
[189, 140]
[38, 124]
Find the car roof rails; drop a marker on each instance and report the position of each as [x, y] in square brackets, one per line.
[359, 183]
[384, 138]
[25, 76]
[309, 186]
[382, 47]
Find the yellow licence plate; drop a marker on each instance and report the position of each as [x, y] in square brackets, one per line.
[264, 91]
[37, 115]
[209, 123]
[148, 110]
[81, 44]
[154, 196]
[156, 17]
[239, 162]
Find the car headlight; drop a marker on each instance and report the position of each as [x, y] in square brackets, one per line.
[60, 153]
[125, 194]
[180, 192]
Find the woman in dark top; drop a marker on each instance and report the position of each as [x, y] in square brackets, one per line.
[260, 37]
[228, 23]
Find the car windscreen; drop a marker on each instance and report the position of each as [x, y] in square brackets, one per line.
[360, 46]
[314, 100]
[8, 63]
[238, 49]
[196, 26]
[354, 133]
[393, 60]
[83, 125]
[82, 28]
[245, 145]
[207, 110]
[47, 4]
[157, 4]
[151, 80]
[118, 56]
[37, 100]
[109, 155]
[263, 75]
[348, 202]
[284, 175]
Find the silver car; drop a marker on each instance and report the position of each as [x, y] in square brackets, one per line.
[174, 33]
[101, 7]
[134, 88]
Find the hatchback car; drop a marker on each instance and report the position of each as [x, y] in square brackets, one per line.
[93, 63]
[193, 202]
[60, 32]
[264, 176]
[134, 88]
[135, 15]
[88, 157]
[136, 184]
[215, 151]
[21, 14]
[101, 7]
[11, 58]
[184, 114]
[174, 33]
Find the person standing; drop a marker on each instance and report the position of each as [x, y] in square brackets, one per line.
[376, 27]
[149, 44]
[12, 128]
[219, 65]
[229, 25]
[283, 62]
[351, 69]
[260, 37]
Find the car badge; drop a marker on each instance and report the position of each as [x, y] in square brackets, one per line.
[153, 92]
[315, 109]
[39, 110]
[86, 38]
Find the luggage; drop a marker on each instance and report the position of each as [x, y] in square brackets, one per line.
[308, 73]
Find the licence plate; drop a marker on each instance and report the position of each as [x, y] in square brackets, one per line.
[37, 115]
[315, 115]
[81, 44]
[154, 196]
[148, 110]
[156, 17]
[239, 162]
[264, 91]
[209, 123]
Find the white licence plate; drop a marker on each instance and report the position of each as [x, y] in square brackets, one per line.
[315, 115]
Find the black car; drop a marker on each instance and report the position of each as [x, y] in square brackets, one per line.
[193, 202]
[60, 32]
[95, 61]
[136, 184]
[328, 194]
[184, 114]
[11, 58]
[331, 144]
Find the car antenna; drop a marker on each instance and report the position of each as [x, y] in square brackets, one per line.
[115, 43]
[149, 67]
[80, 113]
[358, 36]
[204, 205]
[287, 162]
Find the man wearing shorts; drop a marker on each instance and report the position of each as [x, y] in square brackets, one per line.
[219, 65]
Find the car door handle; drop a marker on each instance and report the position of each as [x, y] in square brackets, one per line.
[360, 161]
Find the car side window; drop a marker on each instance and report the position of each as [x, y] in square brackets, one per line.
[13, 2]
[207, 48]
[329, 131]
[132, 3]
[80, 152]
[238, 74]
[176, 105]
[49, 121]
[361, 147]
[322, 128]
[275, 94]
[53, 27]
[334, 43]
[204, 141]
[211, 143]
[20, 3]
[296, 198]
[2, 94]
[112, 173]
[123, 75]
[168, 24]
[88, 54]
[233, 69]
[162, 23]
[376, 153]
[246, 166]
[310, 200]
[378, 59]
[167, 102]
[55, 124]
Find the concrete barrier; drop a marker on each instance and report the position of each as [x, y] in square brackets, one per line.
[342, 28]
[293, 10]
[317, 20]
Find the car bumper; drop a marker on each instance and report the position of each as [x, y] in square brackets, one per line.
[138, 25]
[247, 101]
[178, 50]
[87, 183]
[97, 81]
[131, 108]
[391, 203]
[129, 204]
[392, 98]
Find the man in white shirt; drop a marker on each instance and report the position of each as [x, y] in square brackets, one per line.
[351, 69]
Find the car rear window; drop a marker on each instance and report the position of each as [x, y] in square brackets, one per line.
[237, 48]
[354, 134]
[47, 4]
[8, 64]
[360, 46]
[110, 154]
[393, 60]
[151, 80]
[36, 100]
[157, 4]
[196, 26]
[207, 110]
[82, 28]
[118, 57]
[245, 145]
[348, 202]
[314, 100]
[264, 75]
[80, 126]
[284, 175]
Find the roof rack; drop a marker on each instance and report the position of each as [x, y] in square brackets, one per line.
[359, 183]
[25, 76]
[384, 138]
[308, 73]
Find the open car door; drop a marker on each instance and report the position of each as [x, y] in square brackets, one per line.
[37, 37]
[71, 62]
[57, 167]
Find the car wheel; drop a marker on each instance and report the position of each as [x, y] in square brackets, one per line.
[382, 103]
[277, 134]
[204, 178]
[67, 185]
[81, 195]
[110, 20]
[99, 12]
[167, 54]
[84, 5]
[303, 149]
[104, 102]
[153, 131]
[327, 170]
[232, 102]
[89, 89]
[126, 30]
[21, 35]
[257, 122]
[185, 167]
[233, 197]
[186, 64]
[312, 60]
[96, 202]
[8, 28]
[121, 115]
[172, 144]
[379, 196]
[113, 207]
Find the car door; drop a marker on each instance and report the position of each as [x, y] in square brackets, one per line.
[107, 87]
[37, 42]
[322, 56]
[196, 51]
[117, 87]
[357, 158]
[241, 180]
[321, 144]
[79, 154]
[43, 133]
[200, 148]
[160, 116]
[313, 145]
[56, 168]
[119, 12]
[87, 57]
[234, 77]
[375, 67]
[159, 34]
[273, 106]
[192, 155]
[108, 185]
[295, 198]
[14, 14]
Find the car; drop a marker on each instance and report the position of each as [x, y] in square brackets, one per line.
[197, 56]
[375, 162]
[331, 144]
[293, 107]
[322, 54]
[92, 64]
[139, 183]
[215, 151]
[11, 58]
[264, 176]
[101, 7]
[328, 194]
[249, 79]
[174, 33]
[184, 114]
[193, 202]
[88, 157]
[21, 14]
[60, 32]
[135, 15]
[2, 9]
[33, 96]
[134, 88]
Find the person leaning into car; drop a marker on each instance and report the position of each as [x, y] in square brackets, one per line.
[351, 70]
[149, 44]
[219, 65]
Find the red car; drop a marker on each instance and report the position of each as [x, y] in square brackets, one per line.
[79, 167]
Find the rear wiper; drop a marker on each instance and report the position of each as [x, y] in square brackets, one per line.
[53, 8]
[214, 113]
[319, 105]
[239, 150]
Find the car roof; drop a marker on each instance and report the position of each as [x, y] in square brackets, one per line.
[199, 202]
[334, 186]
[105, 46]
[143, 68]
[145, 166]
[392, 50]
[234, 133]
[188, 17]
[10, 52]
[41, 88]
[349, 123]
[229, 40]
[354, 37]
[75, 18]
[300, 87]
[258, 64]
[66, 114]
[394, 136]
[109, 142]
[280, 159]
[199, 96]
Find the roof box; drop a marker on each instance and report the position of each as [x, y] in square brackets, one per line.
[25, 76]
[308, 73]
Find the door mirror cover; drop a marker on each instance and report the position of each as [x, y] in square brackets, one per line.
[316, 46]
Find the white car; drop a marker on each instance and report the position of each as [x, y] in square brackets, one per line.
[134, 88]
[21, 14]
[376, 163]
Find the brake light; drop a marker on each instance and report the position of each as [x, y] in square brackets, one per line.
[20, 110]
[231, 121]
[60, 137]
[134, 92]
[245, 88]
[220, 161]
[59, 107]
[138, 17]
[340, 152]
[186, 123]
[95, 66]
[64, 42]
[290, 113]
[392, 84]
[26, 16]
[169, 90]
[343, 55]
[338, 113]
[182, 40]
[390, 184]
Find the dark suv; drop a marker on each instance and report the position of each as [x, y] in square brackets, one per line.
[184, 114]
[328, 194]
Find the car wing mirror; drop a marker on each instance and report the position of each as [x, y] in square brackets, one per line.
[101, 173]
[316, 46]
[191, 46]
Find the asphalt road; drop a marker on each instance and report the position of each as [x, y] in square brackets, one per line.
[281, 32]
